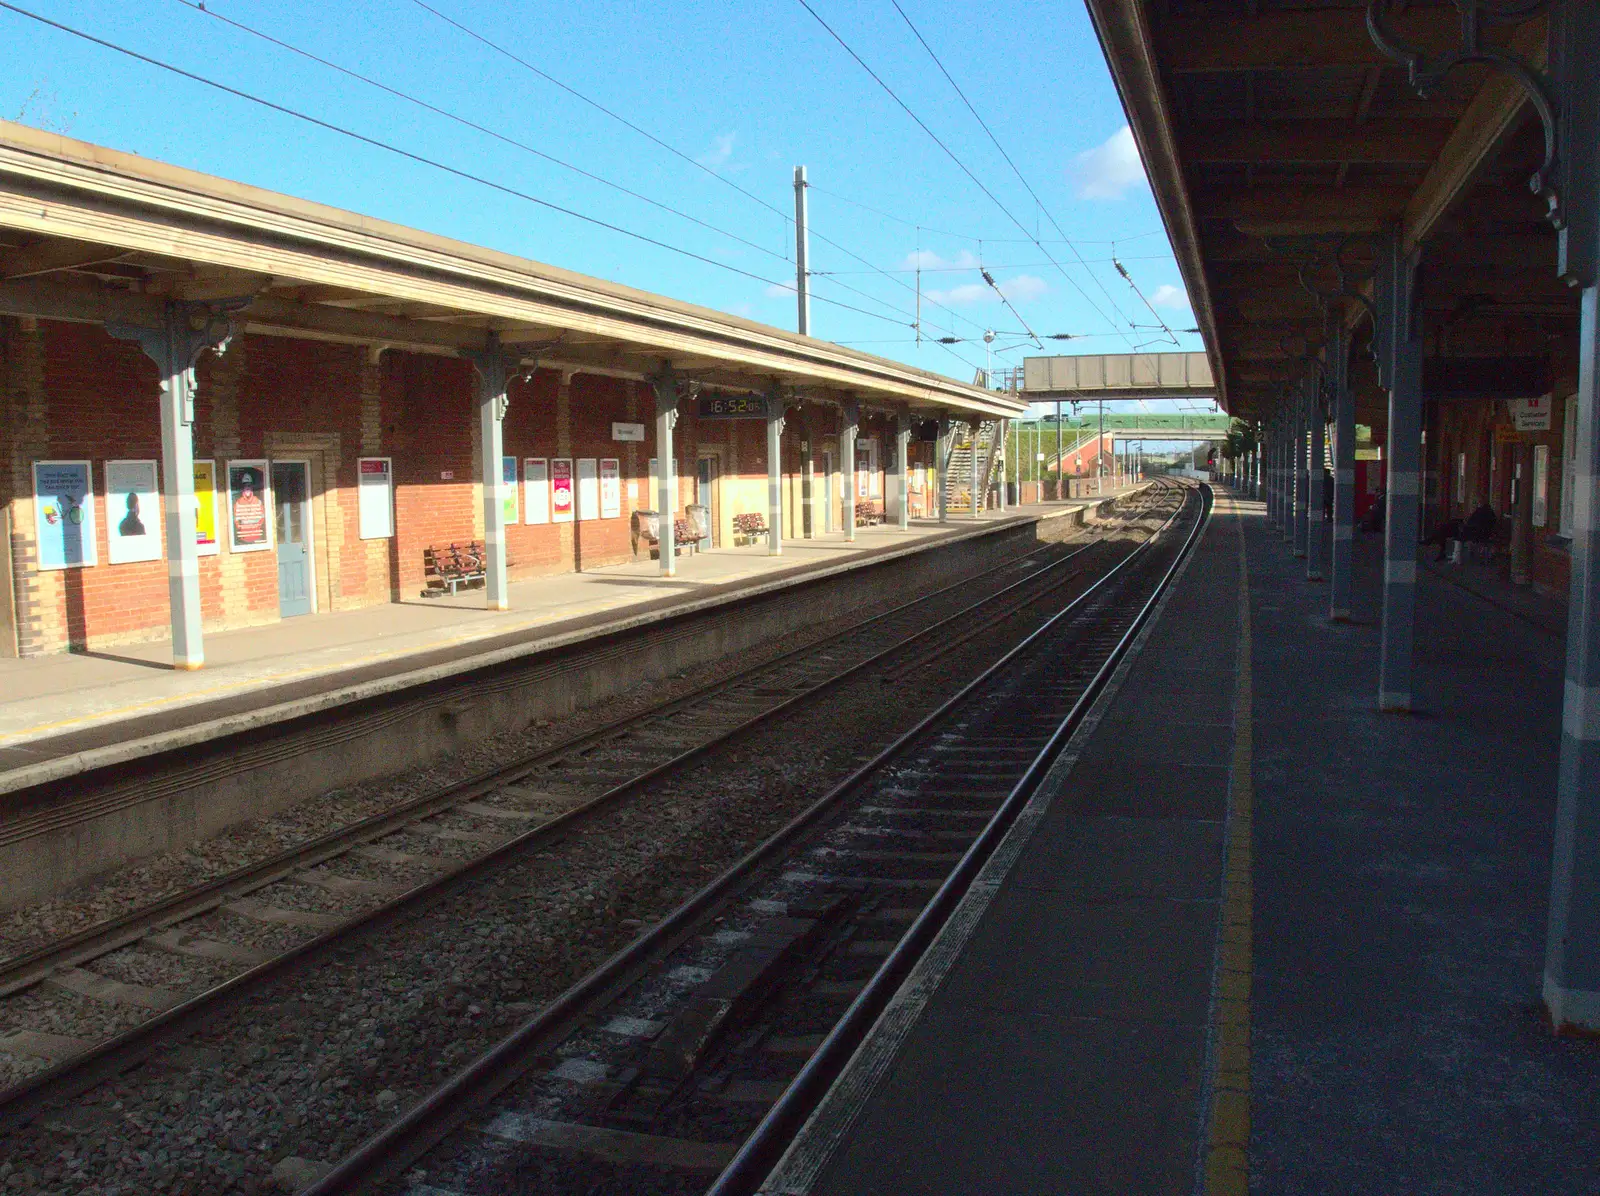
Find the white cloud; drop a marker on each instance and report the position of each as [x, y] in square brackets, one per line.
[719, 153]
[777, 290]
[1108, 170]
[1024, 287]
[927, 259]
[1168, 295]
[1021, 289]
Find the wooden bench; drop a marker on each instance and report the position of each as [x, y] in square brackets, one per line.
[749, 526]
[646, 528]
[869, 514]
[448, 567]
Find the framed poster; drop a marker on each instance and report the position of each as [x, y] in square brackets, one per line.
[248, 527]
[133, 512]
[536, 489]
[375, 497]
[63, 514]
[205, 513]
[588, 489]
[610, 488]
[561, 490]
[510, 511]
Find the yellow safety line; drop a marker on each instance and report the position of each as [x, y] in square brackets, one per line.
[1227, 1164]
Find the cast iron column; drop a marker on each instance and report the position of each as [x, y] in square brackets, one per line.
[1344, 468]
[1316, 526]
[665, 385]
[849, 429]
[902, 443]
[1302, 469]
[775, 473]
[1401, 346]
[491, 367]
[175, 347]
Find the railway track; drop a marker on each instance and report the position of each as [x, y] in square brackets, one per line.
[166, 967]
[692, 1056]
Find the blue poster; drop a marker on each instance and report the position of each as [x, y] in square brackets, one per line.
[63, 514]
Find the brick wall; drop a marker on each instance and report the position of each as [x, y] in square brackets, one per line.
[70, 391]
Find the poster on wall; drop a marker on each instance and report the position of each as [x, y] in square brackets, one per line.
[63, 514]
[510, 509]
[247, 506]
[610, 487]
[133, 512]
[536, 489]
[588, 489]
[375, 497]
[205, 508]
[561, 490]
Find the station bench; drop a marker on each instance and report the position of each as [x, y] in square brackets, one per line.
[748, 527]
[448, 567]
[869, 514]
[645, 529]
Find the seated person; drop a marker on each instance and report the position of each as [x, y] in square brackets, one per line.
[1478, 527]
[1373, 520]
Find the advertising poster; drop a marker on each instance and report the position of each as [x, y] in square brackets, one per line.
[561, 490]
[588, 489]
[510, 510]
[133, 512]
[536, 489]
[375, 497]
[247, 506]
[205, 514]
[63, 514]
[610, 488]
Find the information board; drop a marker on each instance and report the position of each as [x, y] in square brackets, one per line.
[63, 514]
[536, 489]
[610, 488]
[133, 512]
[375, 497]
[561, 490]
[510, 507]
[205, 508]
[731, 406]
[588, 488]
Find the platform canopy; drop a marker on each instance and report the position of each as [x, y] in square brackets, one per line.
[95, 235]
[1279, 141]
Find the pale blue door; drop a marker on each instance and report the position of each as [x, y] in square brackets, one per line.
[292, 506]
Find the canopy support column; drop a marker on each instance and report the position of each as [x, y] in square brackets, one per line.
[665, 385]
[493, 373]
[849, 429]
[1400, 346]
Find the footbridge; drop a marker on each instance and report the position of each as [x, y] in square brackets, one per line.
[1118, 376]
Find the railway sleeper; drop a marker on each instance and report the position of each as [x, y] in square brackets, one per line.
[735, 990]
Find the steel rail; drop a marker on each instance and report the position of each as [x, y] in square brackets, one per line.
[762, 1150]
[121, 1051]
[25, 970]
[423, 1125]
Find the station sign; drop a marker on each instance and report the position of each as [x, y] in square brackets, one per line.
[627, 432]
[731, 406]
[1531, 415]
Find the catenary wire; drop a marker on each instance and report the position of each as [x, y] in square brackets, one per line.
[196, 6]
[951, 154]
[1009, 162]
[411, 155]
[671, 149]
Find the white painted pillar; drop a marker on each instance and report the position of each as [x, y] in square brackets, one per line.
[1001, 461]
[943, 451]
[1401, 345]
[175, 347]
[849, 429]
[774, 475]
[492, 400]
[665, 385]
[902, 440]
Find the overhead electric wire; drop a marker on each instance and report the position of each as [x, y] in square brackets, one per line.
[1014, 168]
[951, 154]
[945, 232]
[195, 6]
[671, 149]
[973, 267]
[410, 155]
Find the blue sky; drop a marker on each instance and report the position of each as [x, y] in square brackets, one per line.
[748, 91]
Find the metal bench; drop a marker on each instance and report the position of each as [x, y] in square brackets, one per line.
[448, 567]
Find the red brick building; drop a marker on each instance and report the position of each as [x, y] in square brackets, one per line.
[346, 374]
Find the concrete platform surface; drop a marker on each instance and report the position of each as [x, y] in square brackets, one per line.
[57, 707]
[1333, 988]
